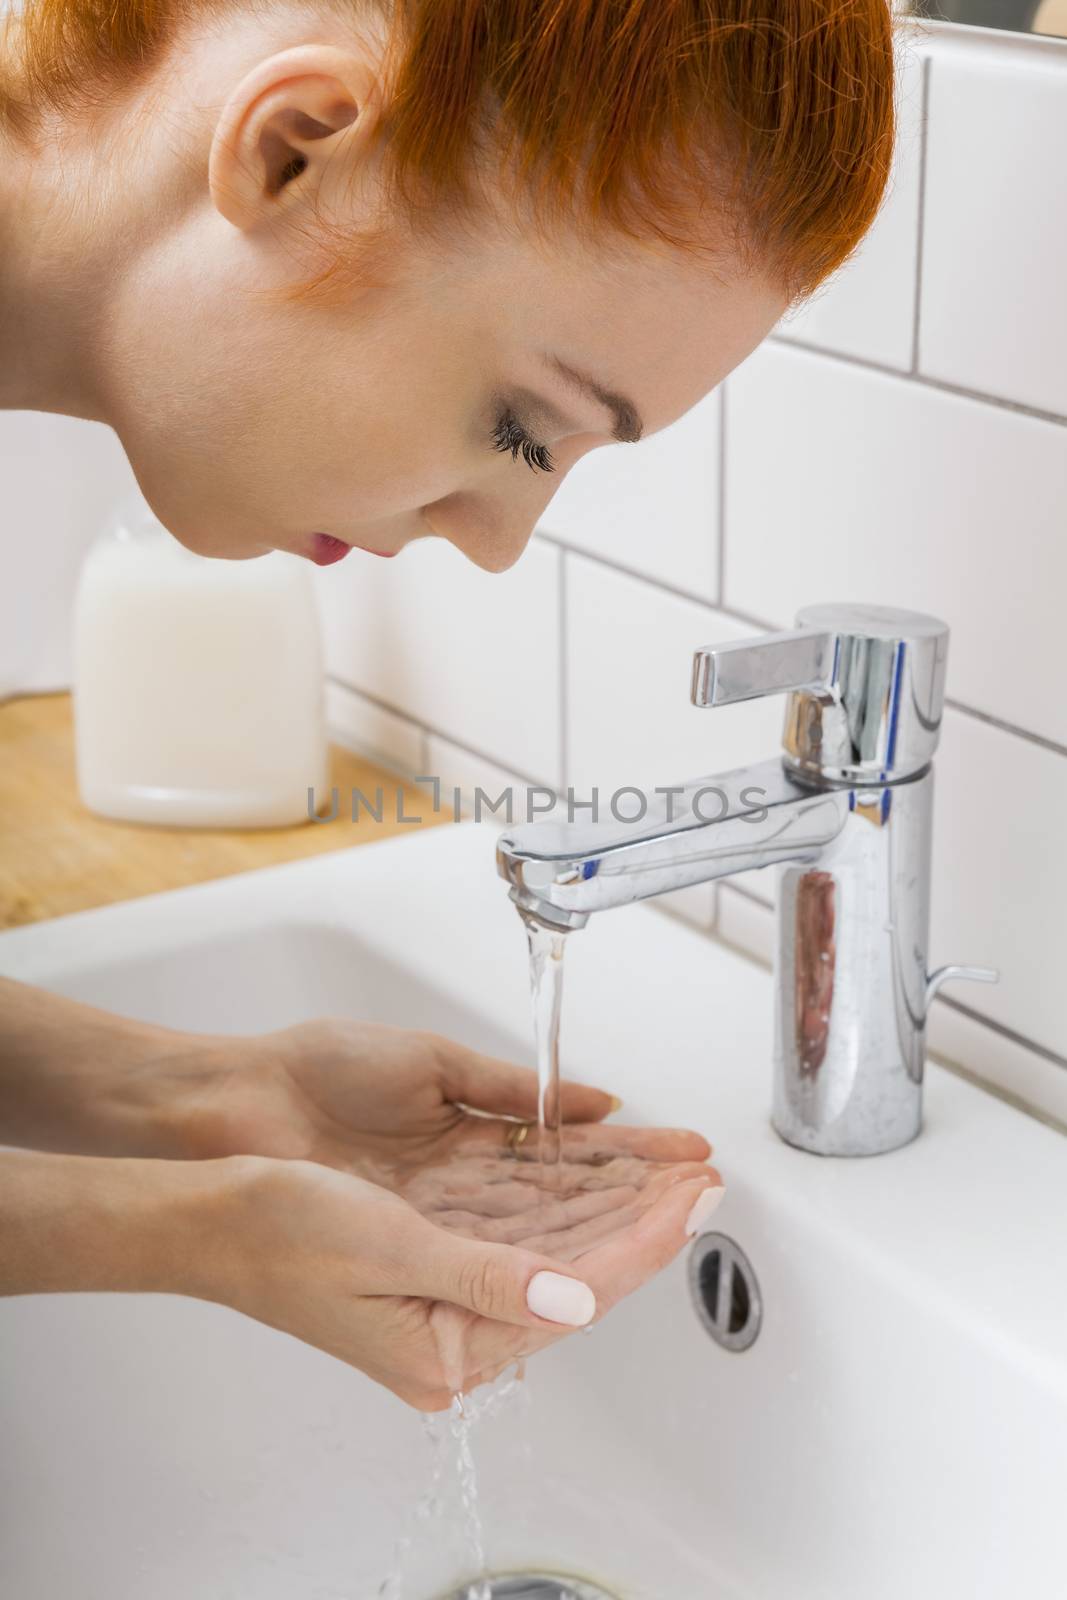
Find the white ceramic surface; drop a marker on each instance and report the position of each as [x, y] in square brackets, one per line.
[848, 484]
[472, 654]
[867, 310]
[994, 312]
[652, 507]
[898, 1429]
[629, 669]
[361, 724]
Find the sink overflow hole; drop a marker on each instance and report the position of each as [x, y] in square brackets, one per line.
[725, 1292]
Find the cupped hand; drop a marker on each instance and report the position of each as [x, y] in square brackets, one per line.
[399, 1227]
[389, 1103]
[357, 1271]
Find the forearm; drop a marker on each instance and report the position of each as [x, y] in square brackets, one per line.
[80, 1080]
[70, 1223]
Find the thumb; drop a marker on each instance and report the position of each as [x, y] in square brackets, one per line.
[498, 1281]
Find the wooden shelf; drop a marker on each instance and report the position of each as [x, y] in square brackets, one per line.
[57, 857]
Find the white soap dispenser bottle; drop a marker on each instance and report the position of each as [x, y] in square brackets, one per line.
[197, 682]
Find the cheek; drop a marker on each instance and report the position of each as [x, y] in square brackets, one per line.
[266, 426]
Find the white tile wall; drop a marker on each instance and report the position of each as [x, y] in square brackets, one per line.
[475, 655]
[994, 290]
[653, 506]
[1000, 875]
[458, 769]
[630, 722]
[888, 490]
[848, 474]
[881, 274]
[59, 478]
[361, 724]
[629, 659]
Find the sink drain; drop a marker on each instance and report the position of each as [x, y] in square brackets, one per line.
[536, 1586]
[725, 1291]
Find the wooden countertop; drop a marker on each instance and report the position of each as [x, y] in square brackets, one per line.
[57, 857]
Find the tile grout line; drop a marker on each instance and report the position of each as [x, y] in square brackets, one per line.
[763, 626]
[428, 730]
[922, 380]
[748, 894]
[1040, 739]
[627, 572]
[920, 232]
[564, 673]
[715, 903]
[722, 498]
[1005, 1032]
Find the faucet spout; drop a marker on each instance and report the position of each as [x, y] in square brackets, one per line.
[845, 815]
[712, 827]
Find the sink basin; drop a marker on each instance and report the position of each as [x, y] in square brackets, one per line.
[897, 1429]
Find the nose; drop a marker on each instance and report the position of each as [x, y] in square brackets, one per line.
[491, 532]
[492, 527]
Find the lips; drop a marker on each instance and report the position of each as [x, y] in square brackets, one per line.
[325, 549]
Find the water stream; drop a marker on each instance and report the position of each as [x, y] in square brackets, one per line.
[453, 1473]
[450, 1433]
[546, 990]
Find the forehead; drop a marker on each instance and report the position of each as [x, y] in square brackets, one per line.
[660, 327]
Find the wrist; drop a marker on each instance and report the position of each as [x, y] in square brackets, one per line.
[159, 1098]
[82, 1081]
[88, 1223]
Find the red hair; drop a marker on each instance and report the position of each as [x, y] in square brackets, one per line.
[639, 117]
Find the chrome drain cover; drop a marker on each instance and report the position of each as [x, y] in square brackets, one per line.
[535, 1586]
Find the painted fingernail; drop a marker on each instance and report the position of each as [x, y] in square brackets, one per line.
[703, 1206]
[616, 1104]
[559, 1299]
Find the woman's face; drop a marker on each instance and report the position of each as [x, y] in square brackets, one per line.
[255, 423]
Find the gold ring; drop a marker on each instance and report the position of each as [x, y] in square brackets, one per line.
[516, 1134]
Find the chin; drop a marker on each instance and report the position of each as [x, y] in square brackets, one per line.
[195, 532]
[222, 549]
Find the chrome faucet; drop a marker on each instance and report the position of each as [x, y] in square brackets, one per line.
[845, 813]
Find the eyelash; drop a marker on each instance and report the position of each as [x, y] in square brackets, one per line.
[509, 435]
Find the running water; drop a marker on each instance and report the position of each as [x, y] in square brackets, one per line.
[461, 1417]
[426, 1507]
[450, 1434]
[455, 1426]
[546, 988]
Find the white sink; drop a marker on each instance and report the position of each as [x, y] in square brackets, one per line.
[898, 1431]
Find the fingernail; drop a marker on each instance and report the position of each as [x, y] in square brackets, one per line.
[616, 1104]
[703, 1206]
[559, 1299]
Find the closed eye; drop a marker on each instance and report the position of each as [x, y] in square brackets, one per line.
[509, 434]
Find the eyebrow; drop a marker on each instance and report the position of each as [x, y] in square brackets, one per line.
[628, 426]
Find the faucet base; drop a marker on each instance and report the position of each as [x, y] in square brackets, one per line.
[851, 973]
[822, 1142]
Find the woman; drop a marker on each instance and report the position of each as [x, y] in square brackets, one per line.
[350, 275]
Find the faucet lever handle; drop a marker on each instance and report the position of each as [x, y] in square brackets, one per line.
[866, 687]
[800, 662]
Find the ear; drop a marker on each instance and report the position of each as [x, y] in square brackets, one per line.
[283, 122]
